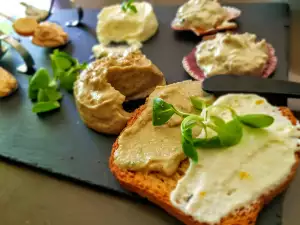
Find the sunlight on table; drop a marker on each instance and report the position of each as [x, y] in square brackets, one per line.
[15, 9]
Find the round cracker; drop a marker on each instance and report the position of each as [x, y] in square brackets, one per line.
[25, 26]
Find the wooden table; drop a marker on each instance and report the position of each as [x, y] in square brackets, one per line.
[30, 198]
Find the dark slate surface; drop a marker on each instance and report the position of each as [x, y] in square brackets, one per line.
[60, 143]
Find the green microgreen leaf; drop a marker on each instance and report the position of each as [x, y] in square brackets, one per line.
[67, 81]
[45, 90]
[213, 142]
[32, 93]
[197, 103]
[133, 8]
[188, 146]
[62, 61]
[187, 138]
[53, 94]
[256, 120]
[41, 107]
[187, 135]
[224, 134]
[42, 96]
[65, 69]
[53, 84]
[124, 6]
[162, 112]
[200, 103]
[40, 79]
[128, 6]
[191, 121]
[218, 121]
[230, 133]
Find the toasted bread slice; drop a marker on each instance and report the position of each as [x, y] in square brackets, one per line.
[157, 188]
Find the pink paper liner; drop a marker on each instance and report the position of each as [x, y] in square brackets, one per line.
[233, 13]
[191, 67]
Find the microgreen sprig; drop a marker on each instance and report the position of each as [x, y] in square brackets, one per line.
[44, 90]
[222, 133]
[128, 6]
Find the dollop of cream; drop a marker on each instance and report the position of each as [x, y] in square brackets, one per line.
[50, 35]
[239, 54]
[115, 25]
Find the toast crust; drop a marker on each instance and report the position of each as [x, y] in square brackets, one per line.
[157, 187]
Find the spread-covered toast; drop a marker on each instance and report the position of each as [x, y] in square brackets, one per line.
[163, 189]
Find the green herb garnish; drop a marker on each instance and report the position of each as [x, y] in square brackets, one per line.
[65, 69]
[44, 89]
[217, 132]
[41, 107]
[256, 120]
[128, 6]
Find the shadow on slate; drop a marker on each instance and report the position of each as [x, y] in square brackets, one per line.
[62, 145]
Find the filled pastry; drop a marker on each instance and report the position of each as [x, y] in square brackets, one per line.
[235, 54]
[205, 16]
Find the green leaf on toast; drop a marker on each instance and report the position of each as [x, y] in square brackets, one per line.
[198, 103]
[256, 120]
[230, 134]
[161, 112]
[213, 142]
[188, 146]
[218, 121]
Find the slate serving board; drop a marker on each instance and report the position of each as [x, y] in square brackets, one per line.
[61, 144]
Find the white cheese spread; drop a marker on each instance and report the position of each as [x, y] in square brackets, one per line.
[201, 14]
[115, 25]
[224, 180]
[238, 54]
